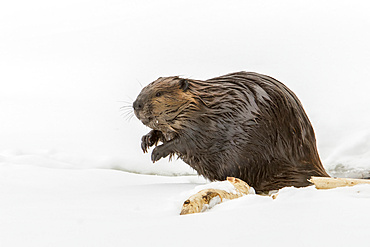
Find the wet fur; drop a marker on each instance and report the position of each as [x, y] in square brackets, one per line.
[244, 125]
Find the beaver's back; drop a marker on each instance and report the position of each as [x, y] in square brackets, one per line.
[252, 127]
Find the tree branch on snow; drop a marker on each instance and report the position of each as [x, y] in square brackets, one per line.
[330, 183]
[207, 198]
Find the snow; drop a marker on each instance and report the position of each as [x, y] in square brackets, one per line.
[71, 169]
[94, 207]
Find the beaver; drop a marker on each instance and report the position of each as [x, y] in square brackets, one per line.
[245, 125]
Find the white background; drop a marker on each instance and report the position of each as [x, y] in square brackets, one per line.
[67, 67]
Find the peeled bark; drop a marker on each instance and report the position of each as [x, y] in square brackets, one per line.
[207, 198]
[330, 183]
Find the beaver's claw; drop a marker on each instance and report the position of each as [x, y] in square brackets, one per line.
[146, 142]
[150, 139]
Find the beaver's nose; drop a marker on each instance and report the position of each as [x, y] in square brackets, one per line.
[137, 105]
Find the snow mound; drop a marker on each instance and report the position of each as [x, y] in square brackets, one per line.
[351, 158]
[55, 159]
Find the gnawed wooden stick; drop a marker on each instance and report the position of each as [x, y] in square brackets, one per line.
[330, 183]
[207, 198]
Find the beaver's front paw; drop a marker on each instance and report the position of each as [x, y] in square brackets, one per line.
[160, 152]
[150, 139]
[146, 143]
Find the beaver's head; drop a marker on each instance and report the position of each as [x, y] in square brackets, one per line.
[163, 104]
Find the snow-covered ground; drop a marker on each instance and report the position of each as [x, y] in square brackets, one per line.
[71, 169]
[94, 207]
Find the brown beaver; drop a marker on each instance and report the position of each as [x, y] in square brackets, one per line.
[243, 124]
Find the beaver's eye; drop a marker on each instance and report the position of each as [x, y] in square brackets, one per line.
[158, 94]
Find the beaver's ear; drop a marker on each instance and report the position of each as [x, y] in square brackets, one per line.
[184, 84]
